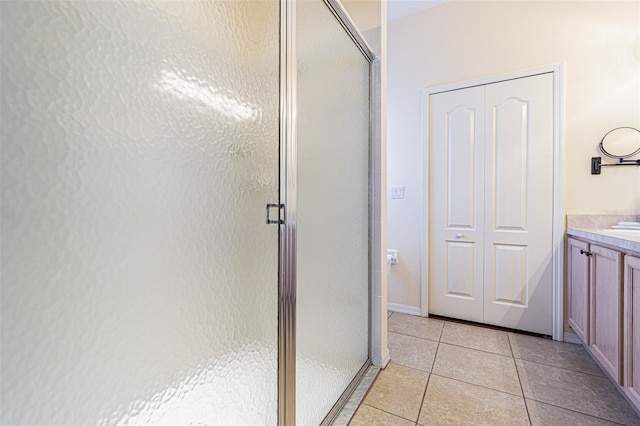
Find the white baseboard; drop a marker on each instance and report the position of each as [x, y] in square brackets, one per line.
[403, 309]
[572, 338]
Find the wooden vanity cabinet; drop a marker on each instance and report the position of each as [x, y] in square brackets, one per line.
[606, 309]
[578, 288]
[603, 308]
[632, 329]
[595, 302]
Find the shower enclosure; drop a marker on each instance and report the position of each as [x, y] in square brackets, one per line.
[143, 143]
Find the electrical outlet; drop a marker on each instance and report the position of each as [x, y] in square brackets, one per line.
[392, 256]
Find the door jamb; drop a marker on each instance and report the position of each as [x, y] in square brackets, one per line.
[558, 225]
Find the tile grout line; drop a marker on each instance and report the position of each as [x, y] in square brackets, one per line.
[411, 335]
[388, 412]
[452, 344]
[562, 368]
[424, 395]
[444, 324]
[475, 349]
[524, 399]
[475, 384]
[575, 411]
[412, 368]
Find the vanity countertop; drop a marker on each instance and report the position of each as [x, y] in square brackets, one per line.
[625, 240]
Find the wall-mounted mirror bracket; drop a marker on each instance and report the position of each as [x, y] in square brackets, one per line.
[619, 143]
[596, 164]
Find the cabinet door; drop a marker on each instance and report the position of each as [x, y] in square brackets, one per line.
[606, 309]
[578, 288]
[632, 328]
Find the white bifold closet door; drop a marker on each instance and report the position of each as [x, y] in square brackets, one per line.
[490, 203]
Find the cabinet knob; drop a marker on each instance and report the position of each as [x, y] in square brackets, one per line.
[586, 253]
[459, 235]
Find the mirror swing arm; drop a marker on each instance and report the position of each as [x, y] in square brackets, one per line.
[596, 162]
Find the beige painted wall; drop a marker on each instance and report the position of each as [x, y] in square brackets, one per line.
[366, 14]
[597, 41]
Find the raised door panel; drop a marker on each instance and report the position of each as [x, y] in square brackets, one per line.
[456, 179]
[510, 138]
[632, 329]
[459, 263]
[606, 310]
[518, 148]
[578, 288]
[510, 266]
[460, 146]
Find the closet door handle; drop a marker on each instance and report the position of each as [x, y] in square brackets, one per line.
[586, 253]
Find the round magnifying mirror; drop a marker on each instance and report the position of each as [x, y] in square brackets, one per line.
[622, 142]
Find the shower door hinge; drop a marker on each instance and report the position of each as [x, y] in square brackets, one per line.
[280, 219]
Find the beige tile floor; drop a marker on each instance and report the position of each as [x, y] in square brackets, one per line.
[448, 373]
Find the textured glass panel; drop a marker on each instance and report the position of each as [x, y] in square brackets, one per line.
[332, 217]
[139, 148]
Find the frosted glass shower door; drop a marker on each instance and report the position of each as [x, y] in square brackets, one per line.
[332, 211]
[139, 149]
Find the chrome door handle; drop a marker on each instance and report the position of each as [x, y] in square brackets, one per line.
[459, 235]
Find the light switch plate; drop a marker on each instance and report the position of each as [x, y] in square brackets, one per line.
[397, 192]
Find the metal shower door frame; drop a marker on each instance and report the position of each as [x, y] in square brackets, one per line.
[287, 280]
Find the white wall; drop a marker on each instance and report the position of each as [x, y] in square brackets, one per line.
[599, 45]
